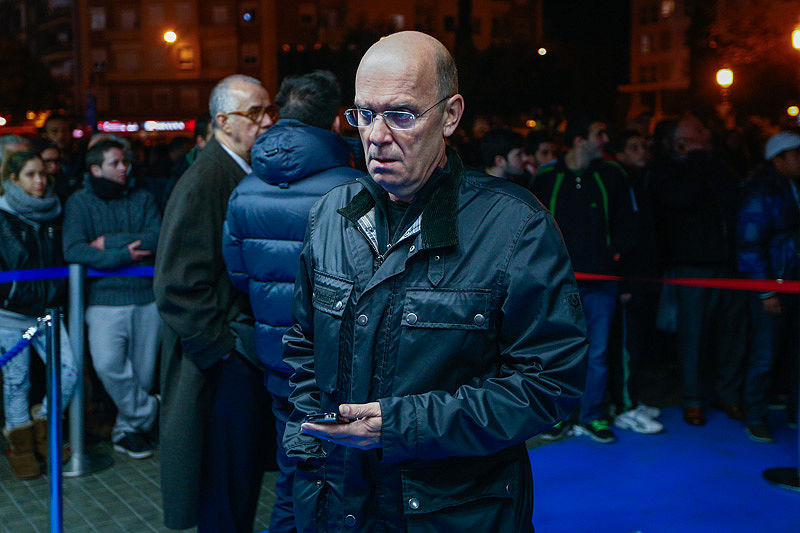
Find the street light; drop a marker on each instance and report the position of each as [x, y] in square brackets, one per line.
[542, 51]
[170, 36]
[724, 77]
[793, 110]
[796, 39]
[3, 121]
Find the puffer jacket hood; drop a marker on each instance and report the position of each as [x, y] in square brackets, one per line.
[292, 150]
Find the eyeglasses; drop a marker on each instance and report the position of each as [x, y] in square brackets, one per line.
[396, 120]
[256, 114]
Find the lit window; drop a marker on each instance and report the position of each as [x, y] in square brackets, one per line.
[186, 58]
[667, 8]
[644, 47]
[97, 16]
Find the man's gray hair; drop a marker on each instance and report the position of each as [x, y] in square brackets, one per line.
[7, 140]
[223, 98]
[447, 72]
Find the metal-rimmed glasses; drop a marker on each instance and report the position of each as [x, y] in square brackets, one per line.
[256, 113]
[396, 120]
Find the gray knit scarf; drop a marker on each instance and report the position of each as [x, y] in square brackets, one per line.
[30, 207]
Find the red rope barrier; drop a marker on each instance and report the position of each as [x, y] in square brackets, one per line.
[757, 285]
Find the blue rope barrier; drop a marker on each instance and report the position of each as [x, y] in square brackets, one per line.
[10, 276]
[26, 340]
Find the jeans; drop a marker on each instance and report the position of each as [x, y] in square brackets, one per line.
[599, 301]
[16, 375]
[763, 344]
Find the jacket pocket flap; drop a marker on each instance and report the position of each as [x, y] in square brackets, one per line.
[331, 293]
[456, 482]
[447, 308]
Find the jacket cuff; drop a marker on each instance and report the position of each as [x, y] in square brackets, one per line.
[399, 429]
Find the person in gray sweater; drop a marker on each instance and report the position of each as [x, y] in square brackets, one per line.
[109, 224]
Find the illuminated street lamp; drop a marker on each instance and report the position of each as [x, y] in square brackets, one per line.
[796, 39]
[793, 110]
[724, 78]
[170, 36]
[3, 121]
[542, 51]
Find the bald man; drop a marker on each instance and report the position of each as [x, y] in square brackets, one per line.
[437, 322]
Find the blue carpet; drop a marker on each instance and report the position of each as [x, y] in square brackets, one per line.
[686, 479]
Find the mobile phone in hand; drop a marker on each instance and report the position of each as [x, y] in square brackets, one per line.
[327, 418]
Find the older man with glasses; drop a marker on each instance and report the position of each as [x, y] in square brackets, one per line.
[437, 322]
[216, 419]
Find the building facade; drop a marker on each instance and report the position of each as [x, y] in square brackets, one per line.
[660, 56]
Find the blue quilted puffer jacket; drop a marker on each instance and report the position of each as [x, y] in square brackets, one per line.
[293, 166]
[768, 242]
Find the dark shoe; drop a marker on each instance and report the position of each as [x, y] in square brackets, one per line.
[694, 416]
[20, 452]
[734, 411]
[554, 433]
[135, 445]
[760, 432]
[597, 430]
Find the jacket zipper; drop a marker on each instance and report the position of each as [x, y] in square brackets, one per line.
[381, 257]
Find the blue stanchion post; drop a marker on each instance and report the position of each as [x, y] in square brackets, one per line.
[53, 323]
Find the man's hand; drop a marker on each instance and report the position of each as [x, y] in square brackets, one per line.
[772, 305]
[99, 243]
[364, 432]
[136, 254]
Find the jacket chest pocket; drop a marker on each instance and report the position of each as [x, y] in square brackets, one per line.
[448, 333]
[329, 298]
[464, 309]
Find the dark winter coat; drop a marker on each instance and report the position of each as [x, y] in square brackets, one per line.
[593, 211]
[205, 318]
[293, 166]
[29, 245]
[695, 200]
[469, 333]
[768, 233]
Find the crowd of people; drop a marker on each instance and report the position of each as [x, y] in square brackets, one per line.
[223, 218]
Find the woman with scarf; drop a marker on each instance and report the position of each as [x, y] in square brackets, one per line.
[30, 238]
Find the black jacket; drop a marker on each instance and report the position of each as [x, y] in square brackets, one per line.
[29, 245]
[695, 202]
[593, 211]
[468, 331]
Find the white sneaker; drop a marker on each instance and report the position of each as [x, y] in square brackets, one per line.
[649, 412]
[637, 422]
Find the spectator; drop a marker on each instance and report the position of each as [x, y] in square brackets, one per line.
[303, 155]
[63, 185]
[30, 223]
[212, 379]
[639, 300]
[203, 132]
[107, 225]
[501, 156]
[540, 150]
[768, 247]
[694, 206]
[13, 143]
[57, 130]
[590, 200]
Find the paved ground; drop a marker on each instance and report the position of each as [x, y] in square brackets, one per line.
[124, 498]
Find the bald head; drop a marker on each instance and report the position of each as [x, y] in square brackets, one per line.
[416, 52]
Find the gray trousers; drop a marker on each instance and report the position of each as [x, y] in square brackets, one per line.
[124, 345]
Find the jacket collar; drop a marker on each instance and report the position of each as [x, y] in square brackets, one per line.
[438, 223]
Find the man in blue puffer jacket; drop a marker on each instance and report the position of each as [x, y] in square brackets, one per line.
[294, 163]
[768, 244]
